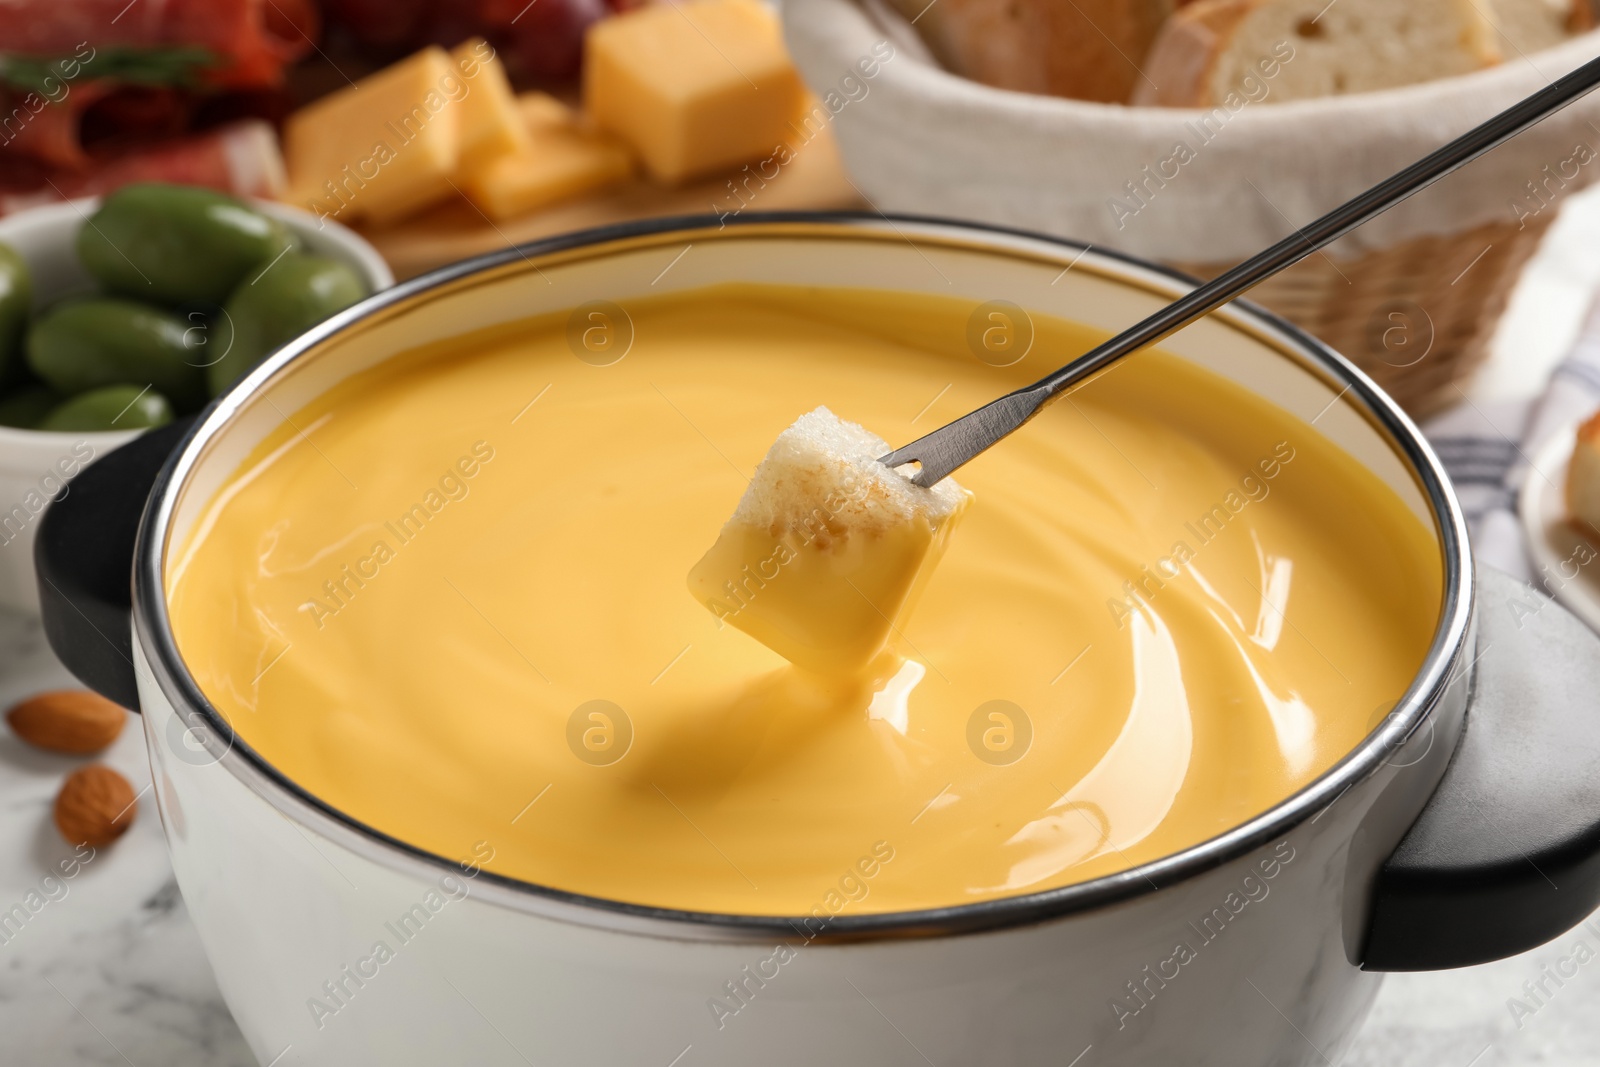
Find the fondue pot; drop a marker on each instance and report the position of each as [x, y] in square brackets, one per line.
[1464, 828]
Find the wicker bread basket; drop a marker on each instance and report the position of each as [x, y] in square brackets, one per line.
[1412, 298]
[1417, 315]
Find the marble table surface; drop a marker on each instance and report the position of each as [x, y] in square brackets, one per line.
[110, 971]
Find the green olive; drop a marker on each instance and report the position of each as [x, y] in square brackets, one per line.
[112, 407]
[273, 309]
[84, 344]
[174, 243]
[16, 295]
[26, 406]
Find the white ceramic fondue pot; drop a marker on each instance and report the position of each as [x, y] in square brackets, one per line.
[1464, 828]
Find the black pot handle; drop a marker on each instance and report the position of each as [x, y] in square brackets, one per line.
[1506, 854]
[84, 559]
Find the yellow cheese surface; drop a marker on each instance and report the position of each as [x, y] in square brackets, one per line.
[693, 88]
[560, 160]
[447, 598]
[380, 149]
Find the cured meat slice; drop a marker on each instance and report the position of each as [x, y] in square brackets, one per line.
[241, 159]
[254, 38]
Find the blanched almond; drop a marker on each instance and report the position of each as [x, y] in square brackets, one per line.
[96, 806]
[67, 720]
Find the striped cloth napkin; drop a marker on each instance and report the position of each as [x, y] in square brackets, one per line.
[1489, 449]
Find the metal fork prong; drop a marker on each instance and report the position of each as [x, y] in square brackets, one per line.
[942, 451]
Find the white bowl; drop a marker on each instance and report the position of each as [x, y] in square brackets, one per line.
[35, 466]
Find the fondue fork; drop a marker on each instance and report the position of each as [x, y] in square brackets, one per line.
[944, 450]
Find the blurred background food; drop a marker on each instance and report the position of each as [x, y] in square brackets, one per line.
[1043, 46]
[192, 288]
[1209, 47]
[1190, 53]
[684, 106]
[444, 130]
[92, 96]
[441, 129]
[1193, 134]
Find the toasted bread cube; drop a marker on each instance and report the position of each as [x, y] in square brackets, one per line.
[693, 88]
[828, 549]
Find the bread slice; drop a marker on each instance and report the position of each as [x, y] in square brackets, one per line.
[1530, 26]
[1583, 479]
[1087, 49]
[1299, 49]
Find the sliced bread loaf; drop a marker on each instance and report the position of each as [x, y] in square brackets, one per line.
[1530, 26]
[1087, 49]
[1310, 48]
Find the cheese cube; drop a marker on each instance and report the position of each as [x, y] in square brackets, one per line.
[695, 87]
[562, 160]
[490, 124]
[381, 149]
[541, 111]
[828, 549]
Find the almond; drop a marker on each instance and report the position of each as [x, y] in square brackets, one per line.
[67, 720]
[95, 806]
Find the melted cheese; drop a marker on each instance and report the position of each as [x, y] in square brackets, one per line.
[451, 604]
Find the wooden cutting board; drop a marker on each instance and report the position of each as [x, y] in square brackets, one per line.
[814, 180]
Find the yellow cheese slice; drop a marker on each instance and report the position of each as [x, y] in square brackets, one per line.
[695, 87]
